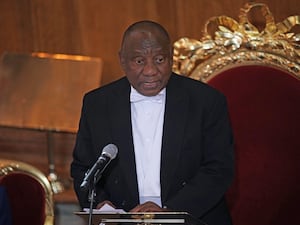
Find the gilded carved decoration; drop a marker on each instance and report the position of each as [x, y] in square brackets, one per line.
[231, 43]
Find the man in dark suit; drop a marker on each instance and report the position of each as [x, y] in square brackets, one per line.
[175, 144]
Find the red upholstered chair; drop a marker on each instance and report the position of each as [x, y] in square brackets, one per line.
[29, 193]
[259, 72]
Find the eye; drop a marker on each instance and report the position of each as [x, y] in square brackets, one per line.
[139, 61]
[159, 59]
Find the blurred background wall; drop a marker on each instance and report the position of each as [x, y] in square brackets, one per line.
[94, 27]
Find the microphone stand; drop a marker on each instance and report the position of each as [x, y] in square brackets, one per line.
[92, 194]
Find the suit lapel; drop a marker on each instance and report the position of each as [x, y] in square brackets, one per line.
[173, 133]
[122, 135]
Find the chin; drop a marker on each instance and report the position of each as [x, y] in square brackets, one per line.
[150, 92]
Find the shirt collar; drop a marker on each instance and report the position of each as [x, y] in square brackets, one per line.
[135, 96]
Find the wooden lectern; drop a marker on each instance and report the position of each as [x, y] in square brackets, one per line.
[174, 218]
[44, 92]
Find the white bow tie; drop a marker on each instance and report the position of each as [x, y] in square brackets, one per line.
[137, 97]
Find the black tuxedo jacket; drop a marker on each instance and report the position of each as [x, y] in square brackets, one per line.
[196, 156]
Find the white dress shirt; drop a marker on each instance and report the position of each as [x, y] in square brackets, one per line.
[147, 116]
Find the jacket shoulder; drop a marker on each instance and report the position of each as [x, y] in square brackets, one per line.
[107, 89]
[194, 86]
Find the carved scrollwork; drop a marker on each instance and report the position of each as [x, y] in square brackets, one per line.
[234, 42]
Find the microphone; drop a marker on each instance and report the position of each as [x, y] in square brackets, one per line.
[109, 152]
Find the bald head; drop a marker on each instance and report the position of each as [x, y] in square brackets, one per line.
[148, 28]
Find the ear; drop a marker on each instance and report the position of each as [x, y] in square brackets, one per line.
[172, 55]
[121, 59]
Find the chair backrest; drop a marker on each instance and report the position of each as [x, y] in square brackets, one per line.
[259, 72]
[29, 193]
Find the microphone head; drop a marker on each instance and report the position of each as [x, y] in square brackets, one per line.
[110, 150]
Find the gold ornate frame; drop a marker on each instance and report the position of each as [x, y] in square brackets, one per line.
[11, 166]
[232, 43]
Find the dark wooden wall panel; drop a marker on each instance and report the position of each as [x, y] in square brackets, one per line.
[31, 146]
[94, 28]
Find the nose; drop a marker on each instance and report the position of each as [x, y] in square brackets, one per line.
[150, 69]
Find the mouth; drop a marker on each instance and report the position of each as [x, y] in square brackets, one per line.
[150, 88]
[151, 85]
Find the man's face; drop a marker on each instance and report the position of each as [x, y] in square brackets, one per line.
[146, 58]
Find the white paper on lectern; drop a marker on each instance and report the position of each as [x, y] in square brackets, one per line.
[106, 208]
